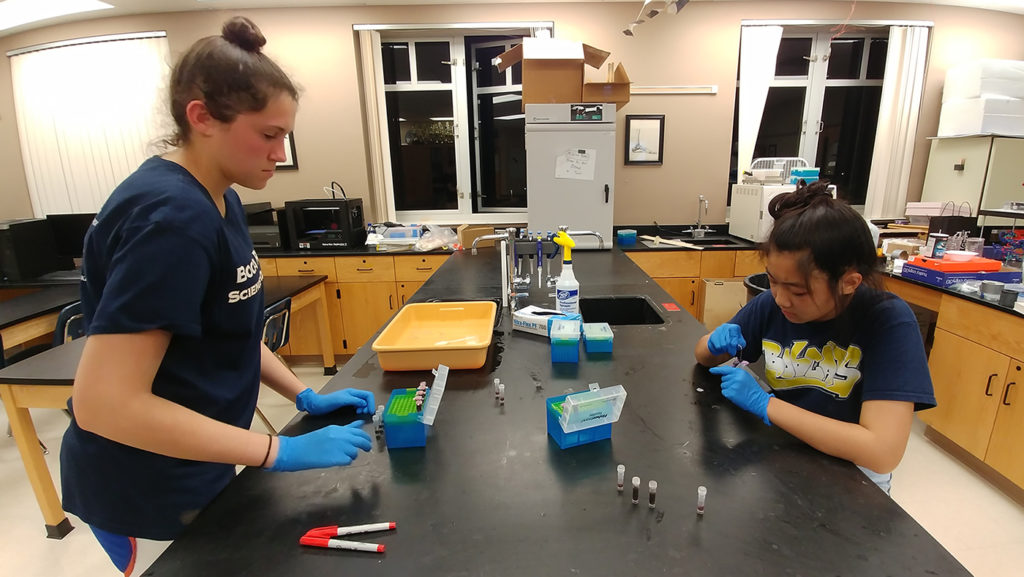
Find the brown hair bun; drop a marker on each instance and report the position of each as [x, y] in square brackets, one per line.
[243, 33]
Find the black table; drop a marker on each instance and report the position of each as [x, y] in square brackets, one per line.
[491, 493]
[45, 380]
[27, 317]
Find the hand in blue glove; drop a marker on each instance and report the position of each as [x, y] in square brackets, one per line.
[317, 404]
[740, 387]
[726, 339]
[327, 447]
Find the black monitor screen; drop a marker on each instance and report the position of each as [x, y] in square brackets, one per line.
[69, 232]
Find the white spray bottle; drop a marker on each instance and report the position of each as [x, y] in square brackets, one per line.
[567, 289]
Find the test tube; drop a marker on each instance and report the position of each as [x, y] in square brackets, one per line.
[636, 490]
[497, 384]
[702, 493]
[652, 491]
[620, 476]
[501, 393]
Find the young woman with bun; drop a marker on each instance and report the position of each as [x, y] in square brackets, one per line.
[172, 295]
[844, 359]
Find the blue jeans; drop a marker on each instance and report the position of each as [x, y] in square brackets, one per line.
[884, 481]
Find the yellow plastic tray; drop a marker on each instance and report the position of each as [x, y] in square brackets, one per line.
[423, 335]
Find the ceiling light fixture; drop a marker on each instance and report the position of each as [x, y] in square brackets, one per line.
[17, 12]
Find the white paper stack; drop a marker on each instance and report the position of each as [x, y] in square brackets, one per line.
[983, 97]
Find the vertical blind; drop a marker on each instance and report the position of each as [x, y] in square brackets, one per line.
[88, 114]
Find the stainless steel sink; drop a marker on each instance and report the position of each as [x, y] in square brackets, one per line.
[620, 310]
[707, 241]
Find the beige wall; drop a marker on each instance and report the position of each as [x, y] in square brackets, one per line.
[698, 46]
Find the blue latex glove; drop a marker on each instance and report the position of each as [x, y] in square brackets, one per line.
[330, 446]
[317, 404]
[726, 339]
[740, 387]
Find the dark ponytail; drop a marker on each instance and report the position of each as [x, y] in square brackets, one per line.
[833, 236]
[229, 73]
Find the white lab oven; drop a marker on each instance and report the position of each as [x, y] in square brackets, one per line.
[748, 212]
[570, 168]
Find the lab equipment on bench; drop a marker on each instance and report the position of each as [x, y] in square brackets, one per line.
[567, 289]
[570, 168]
[423, 334]
[404, 424]
[581, 418]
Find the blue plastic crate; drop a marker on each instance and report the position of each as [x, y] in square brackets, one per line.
[582, 437]
[402, 424]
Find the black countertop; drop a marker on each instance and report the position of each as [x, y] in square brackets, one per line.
[492, 494]
[48, 299]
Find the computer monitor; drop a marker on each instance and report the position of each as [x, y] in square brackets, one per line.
[69, 232]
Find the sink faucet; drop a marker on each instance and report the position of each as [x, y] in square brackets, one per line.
[702, 210]
[508, 238]
[575, 233]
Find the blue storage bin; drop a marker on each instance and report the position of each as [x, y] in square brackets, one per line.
[581, 437]
[403, 426]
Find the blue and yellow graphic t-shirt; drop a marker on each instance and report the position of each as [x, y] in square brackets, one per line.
[871, 351]
[160, 256]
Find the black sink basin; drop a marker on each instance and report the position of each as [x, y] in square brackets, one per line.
[713, 241]
[620, 310]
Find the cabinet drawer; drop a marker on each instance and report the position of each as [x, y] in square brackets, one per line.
[311, 266]
[365, 268]
[717, 263]
[268, 266]
[416, 267]
[674, 263]
[748, 262]
[986, 326]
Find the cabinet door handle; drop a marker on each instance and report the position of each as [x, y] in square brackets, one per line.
[403, 300]
[424, 268]
[693, 295]
[305, 270]
[364, 269]
[391, 304]
[1006, 393]
[988, 385]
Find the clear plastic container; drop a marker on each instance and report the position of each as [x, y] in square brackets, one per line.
[598, 337]
[410, 232]
[592, 408]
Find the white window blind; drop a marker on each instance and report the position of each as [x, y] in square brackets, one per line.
[88, 114]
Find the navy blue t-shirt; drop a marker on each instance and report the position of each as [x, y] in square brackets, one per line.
[160, 256]
[871, 351]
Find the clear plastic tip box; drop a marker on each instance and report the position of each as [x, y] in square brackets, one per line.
[565, 340]
[404, 426]
[581, 418]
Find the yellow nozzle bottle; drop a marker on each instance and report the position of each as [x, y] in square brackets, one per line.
[567, 289]
[565, 241]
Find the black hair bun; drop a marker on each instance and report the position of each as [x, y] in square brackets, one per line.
[243, 33]
[804, 197]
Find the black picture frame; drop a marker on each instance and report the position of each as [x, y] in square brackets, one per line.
[642, 132]
[291, 162]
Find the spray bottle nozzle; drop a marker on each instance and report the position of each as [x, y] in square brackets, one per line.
[565, 241]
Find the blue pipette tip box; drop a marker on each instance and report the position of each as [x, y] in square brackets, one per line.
[598, 338]
[565, 340]
[403, 426]
[580, 418]
[566, 440]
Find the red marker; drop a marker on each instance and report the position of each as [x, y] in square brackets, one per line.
[336, 531]
[329, 543]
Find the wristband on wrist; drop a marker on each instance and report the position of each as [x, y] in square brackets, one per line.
[270, 443]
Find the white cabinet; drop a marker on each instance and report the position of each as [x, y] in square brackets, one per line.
[984, 171]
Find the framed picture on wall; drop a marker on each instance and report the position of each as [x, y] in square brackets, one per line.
[291, 162]
[645, 137]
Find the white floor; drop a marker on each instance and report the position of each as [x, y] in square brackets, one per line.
[979, 525]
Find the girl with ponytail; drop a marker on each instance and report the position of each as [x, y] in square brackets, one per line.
[844, 360]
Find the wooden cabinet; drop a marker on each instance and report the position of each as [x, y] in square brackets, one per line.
[968, 379]
[307, 266]
[406, 290]
[680, 272]
[1004, 446]
[365, 307]
[268, 266]
[365, 268]
[417, 267]
[683, 290]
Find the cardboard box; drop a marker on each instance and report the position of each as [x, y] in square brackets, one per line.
[982, 116]
[614, 90]
[720, 299]
[552, 68]
[946, 280]
[467, 233]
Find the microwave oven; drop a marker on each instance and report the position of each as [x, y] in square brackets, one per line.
[327, 224]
